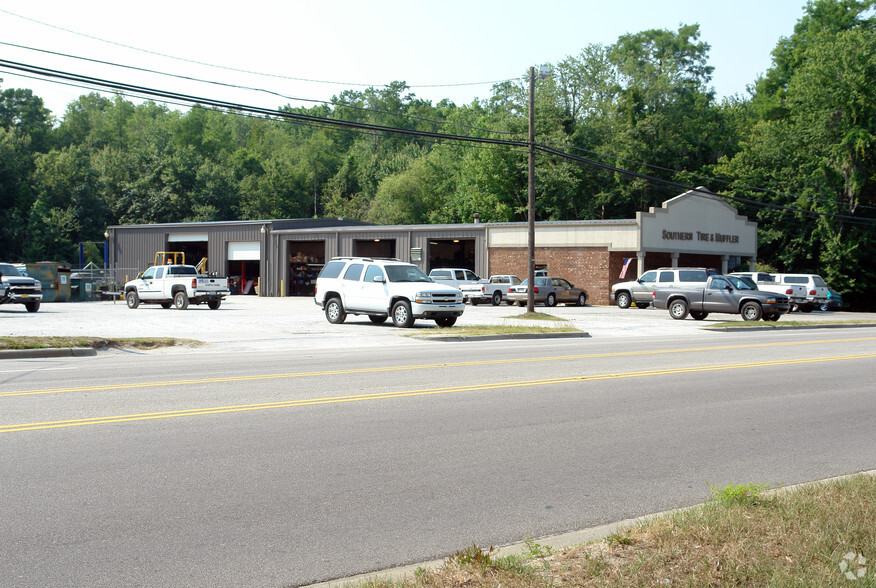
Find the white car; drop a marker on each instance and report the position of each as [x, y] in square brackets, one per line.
[383, 288]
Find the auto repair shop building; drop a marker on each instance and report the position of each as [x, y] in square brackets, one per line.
[285, 256]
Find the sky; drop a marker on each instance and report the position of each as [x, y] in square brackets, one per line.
[311, 51]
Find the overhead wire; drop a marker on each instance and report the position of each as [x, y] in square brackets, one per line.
[238, 70]
[260, 90]
[151, 92]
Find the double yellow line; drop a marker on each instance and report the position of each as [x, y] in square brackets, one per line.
[374, 370]
[408, 393]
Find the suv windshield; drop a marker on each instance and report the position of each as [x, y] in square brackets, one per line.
[9, 270]
[405, 273]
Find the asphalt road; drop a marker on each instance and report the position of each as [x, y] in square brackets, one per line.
[280, 463]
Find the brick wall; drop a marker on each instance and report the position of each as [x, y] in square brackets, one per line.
[585, 267]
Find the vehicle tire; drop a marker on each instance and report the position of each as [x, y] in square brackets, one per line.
[401, 314]
[551, 300]
[166, 304]
[771, 317]
[32, 306]
[751, 311]
[699, 315]
[474, 301]
[794, 308]
[334, 311]
[509, 302]
[582, 299]
[497, 298]
[181, 300]
[521, 303]
[214, 304]
[132, 299]
[446, 321]
[624, 300]
[377, 319]
[678, 309]
[824, 307]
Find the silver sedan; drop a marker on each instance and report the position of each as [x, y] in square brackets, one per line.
[549, 291]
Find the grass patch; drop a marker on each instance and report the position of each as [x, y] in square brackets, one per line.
[536, 316]
[487, 330]
[747, 535]
[94, 342]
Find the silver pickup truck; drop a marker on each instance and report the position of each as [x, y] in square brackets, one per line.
[722, 294]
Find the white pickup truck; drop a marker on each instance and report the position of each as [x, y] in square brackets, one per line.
[768, 283]
[175, 285]
[494, 290]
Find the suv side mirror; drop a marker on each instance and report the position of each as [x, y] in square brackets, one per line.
[378, 279]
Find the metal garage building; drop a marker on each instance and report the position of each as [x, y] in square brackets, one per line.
[284, 256]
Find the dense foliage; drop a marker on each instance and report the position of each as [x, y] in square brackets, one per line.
[802, 141]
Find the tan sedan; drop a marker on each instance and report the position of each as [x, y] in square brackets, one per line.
[549, 291]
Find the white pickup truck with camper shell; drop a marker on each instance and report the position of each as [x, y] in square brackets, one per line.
[768, 283]
[175, 285]
[494, 290]
[816, 288]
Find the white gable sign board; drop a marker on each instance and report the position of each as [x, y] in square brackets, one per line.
[695, 222]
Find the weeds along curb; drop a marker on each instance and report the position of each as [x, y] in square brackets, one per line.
[780, 327]
[569, 539]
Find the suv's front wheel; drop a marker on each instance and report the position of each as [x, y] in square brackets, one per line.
[401, 314]
[334, 311]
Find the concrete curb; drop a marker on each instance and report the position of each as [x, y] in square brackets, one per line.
[776, 327]
[568, 335]
[560, 541]
[48, 352]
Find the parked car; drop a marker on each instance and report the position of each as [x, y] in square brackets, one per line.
[834, 301]
[383, 288]
[625, 294]
[549, 291]
[452, 276]
[768, 283]
[722, 294]
[816, 288]
[493, 291]
[17, 288]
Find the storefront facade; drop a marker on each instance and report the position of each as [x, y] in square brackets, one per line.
[284, 257]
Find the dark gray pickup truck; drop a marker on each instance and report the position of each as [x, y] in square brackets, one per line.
[723, 294]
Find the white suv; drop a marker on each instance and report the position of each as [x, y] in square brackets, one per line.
[383, 288]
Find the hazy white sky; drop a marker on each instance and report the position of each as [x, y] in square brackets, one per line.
[354, 44]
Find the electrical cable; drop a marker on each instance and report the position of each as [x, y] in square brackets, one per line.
[262, 90]
[730, 183]
[147, 51]
[394, 130]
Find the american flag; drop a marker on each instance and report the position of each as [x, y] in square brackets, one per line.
[627, 262]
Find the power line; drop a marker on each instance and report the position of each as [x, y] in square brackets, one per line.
[253, 89]
[394, 130]
[227, 68]
[730, 183]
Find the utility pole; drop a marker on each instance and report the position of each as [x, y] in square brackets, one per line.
[543, 73]
[530, 276]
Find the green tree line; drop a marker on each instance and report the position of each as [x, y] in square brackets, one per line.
[801, 141]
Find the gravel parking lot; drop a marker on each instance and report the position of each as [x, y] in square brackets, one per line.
[251, 322]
